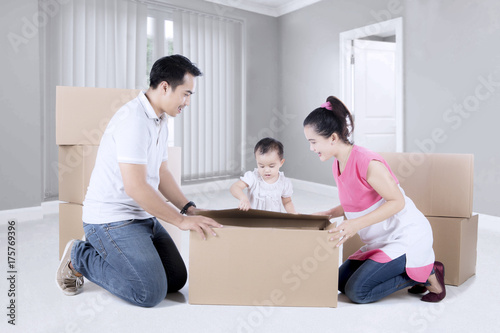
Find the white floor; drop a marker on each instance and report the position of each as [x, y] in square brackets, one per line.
[41, 306]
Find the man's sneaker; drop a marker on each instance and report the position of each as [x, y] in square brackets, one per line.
[66, 279]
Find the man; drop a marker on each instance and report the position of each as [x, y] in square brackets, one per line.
[127, 251]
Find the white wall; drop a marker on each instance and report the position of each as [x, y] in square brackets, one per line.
[451, 48]
[21, 180]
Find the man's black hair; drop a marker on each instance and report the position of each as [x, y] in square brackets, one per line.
[172, 69]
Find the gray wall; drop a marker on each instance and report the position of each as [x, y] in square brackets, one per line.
[292, 65]
[450, 49]
[21, 178]
[310, 73]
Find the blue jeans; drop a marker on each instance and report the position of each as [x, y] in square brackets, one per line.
[135, 260]
[366, 281]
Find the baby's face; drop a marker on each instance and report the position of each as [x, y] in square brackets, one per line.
[269, 165]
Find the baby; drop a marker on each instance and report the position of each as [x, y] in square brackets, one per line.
[267, 186]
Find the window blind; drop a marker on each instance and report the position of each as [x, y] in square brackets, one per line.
[210, 130]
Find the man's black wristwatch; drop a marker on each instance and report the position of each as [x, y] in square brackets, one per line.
[186, 207]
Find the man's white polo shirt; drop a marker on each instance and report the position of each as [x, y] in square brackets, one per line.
[134, 135]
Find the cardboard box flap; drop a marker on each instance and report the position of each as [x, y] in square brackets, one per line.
[438, 184]
[265, 219]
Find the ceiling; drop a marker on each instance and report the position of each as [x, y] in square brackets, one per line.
[273, 8]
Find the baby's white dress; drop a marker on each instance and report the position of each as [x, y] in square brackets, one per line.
[266, 196]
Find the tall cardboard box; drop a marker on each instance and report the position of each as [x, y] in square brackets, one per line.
[74, 179]
[264, 258]
[82, 113]
[77, 162]
[438, 184]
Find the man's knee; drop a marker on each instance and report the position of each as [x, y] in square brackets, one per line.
[177, 281]
[150, 292]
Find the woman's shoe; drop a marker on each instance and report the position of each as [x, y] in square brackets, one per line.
[417, 289]
[433, 297]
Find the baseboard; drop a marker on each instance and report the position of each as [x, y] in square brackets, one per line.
[217, 185]
[312, 187]
[21, 214]
[51, 207]
[29, 213]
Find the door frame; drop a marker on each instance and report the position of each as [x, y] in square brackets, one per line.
[395, 27]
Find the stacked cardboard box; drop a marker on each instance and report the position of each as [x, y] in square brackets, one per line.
[264, 258]
[441, 185]
[82, 115]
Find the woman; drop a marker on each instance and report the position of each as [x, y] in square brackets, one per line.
[398, 251]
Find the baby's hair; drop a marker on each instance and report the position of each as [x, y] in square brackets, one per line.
[334, 119]
[269, 144]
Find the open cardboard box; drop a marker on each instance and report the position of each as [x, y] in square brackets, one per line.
[264, 258]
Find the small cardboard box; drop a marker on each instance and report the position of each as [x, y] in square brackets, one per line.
[71, 226]
[455, 245]
[264, 258]
[82, 114]
[438, 184]
[75, 167]
[77, 162]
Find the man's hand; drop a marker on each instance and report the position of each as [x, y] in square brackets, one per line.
[200, 224]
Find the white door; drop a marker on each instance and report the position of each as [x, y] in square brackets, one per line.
[374, 95]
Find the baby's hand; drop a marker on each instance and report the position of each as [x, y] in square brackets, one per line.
[244, 204]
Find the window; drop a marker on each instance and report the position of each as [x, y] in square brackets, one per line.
[160, 43]
[210, 133]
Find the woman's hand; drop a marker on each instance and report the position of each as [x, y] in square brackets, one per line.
[344, 231]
